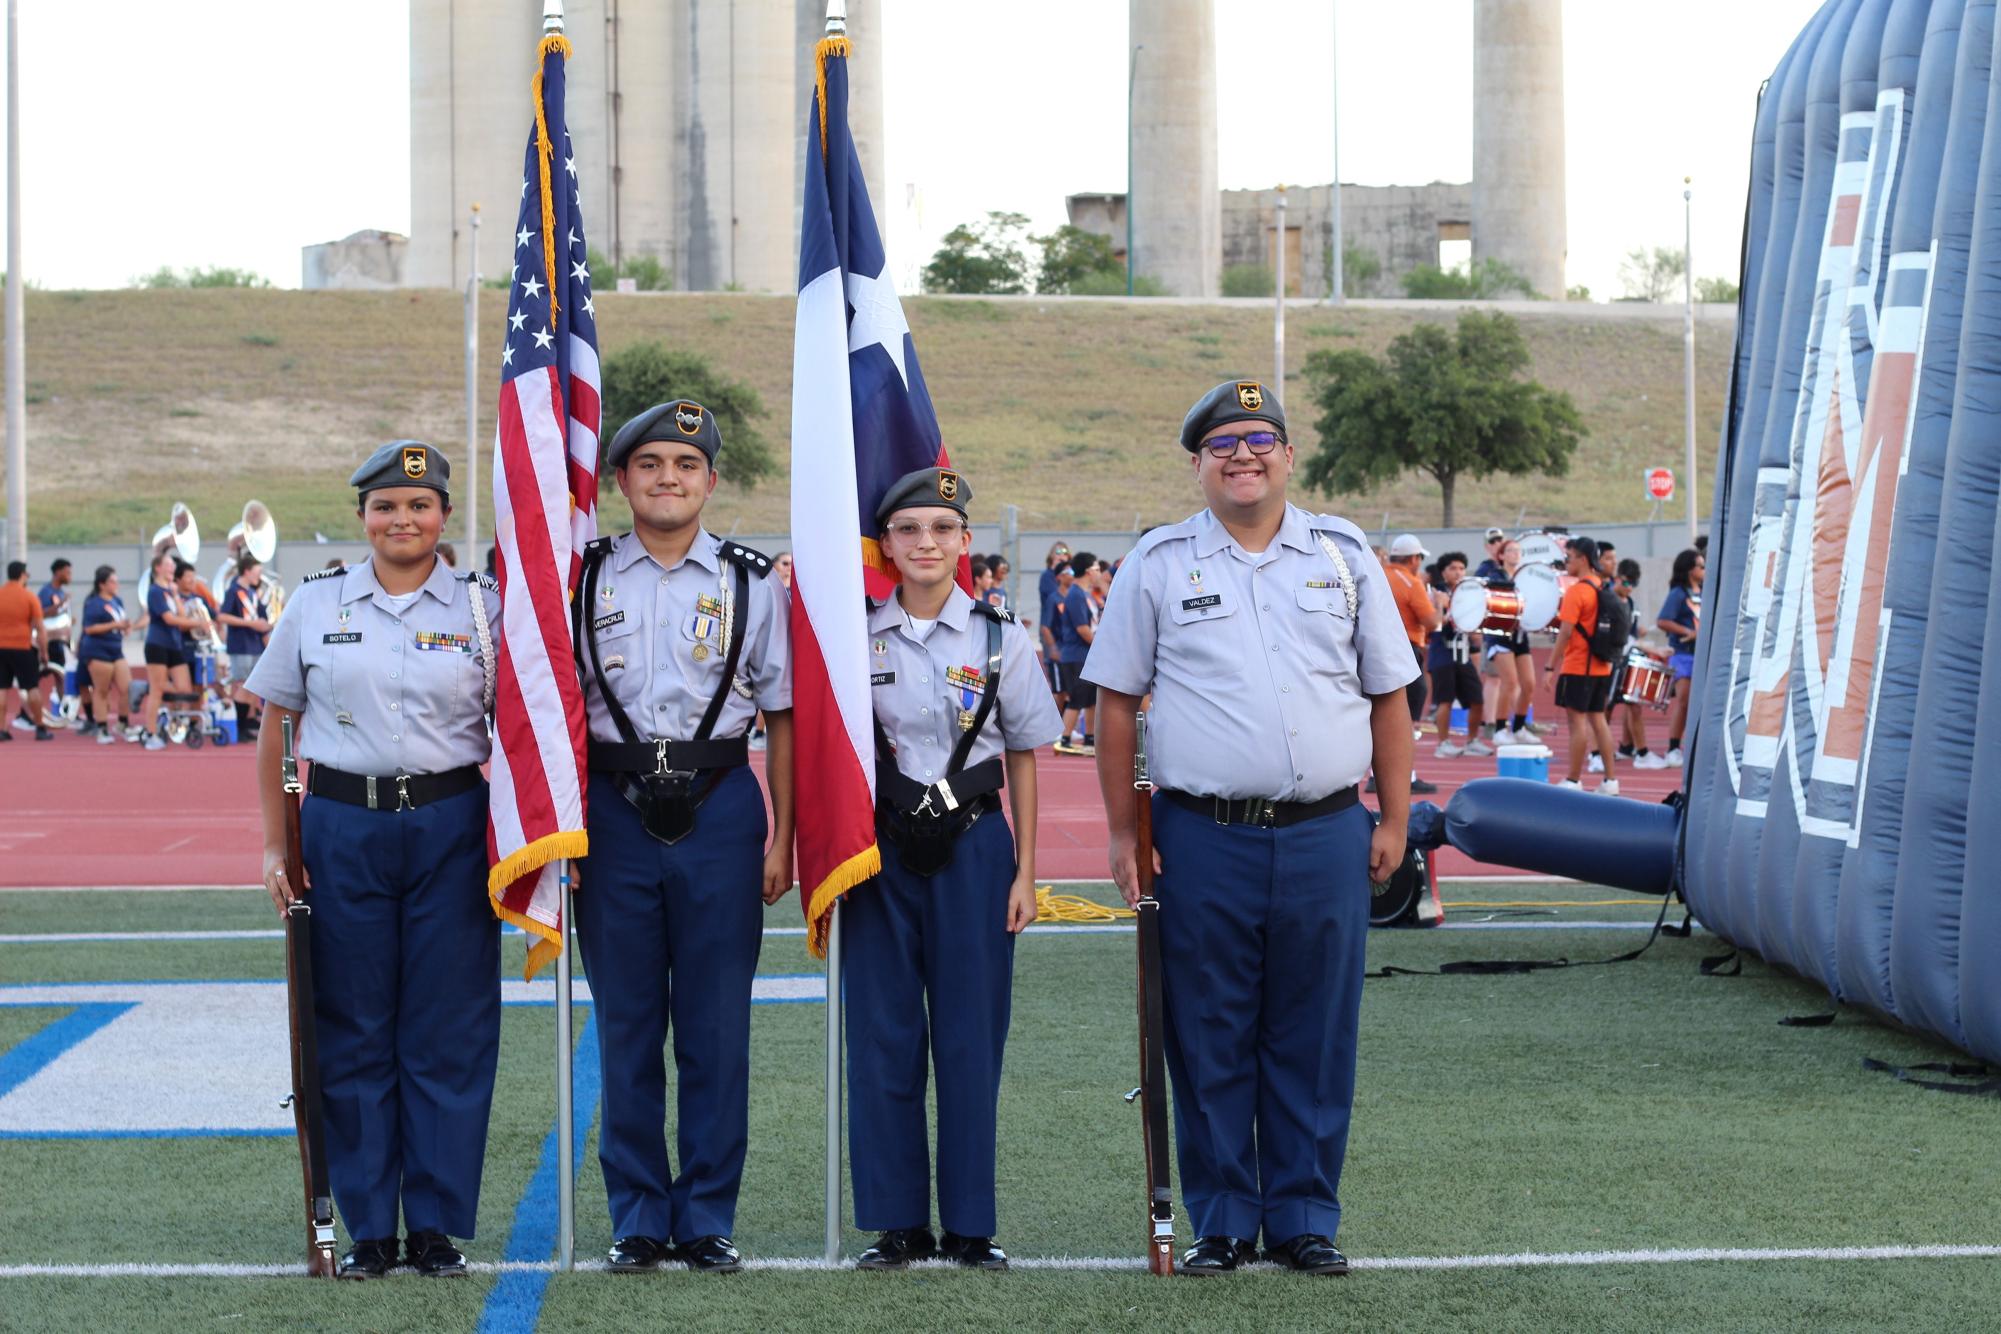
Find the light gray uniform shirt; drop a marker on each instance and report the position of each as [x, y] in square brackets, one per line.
[382, 688]
[660, 636]
[921, 685]
[1260, 664]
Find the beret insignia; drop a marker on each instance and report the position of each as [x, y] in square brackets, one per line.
[415, 465]
[688, 416]
[948, 485]
[1250, 395]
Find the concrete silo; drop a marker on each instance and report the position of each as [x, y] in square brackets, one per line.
[620, 109]
[1177, 218]
[736, 138]
[470, 63]
[1518, 187]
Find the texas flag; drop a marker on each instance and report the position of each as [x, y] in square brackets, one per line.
[861, 418]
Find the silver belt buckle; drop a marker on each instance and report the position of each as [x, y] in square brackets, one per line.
[403, 802]
[660, 769]
[369, 781]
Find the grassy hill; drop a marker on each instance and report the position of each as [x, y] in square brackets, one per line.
[1067, 408]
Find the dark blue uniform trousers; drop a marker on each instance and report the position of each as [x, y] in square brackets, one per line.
[1262, 935]
[406, 966]
[908, 937]
[672, 932]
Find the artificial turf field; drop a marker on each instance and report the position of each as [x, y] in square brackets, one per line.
[1636, 1108]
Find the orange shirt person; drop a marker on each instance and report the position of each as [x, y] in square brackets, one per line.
[1583, 680]
[23, 651]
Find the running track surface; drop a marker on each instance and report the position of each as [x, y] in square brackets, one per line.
[78, 813]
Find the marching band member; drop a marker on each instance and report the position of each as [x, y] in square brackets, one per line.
[102, 652]
[388, 667]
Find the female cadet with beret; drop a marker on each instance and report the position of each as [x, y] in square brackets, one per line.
[387, 666]
[954, 684]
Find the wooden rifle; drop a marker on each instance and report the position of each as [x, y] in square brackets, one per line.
[1152, 1090]
[304, 1100]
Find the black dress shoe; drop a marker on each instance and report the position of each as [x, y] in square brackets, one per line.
[972, 1252]
[1309, 1253]
[1422, 788]
[369, 1259]
[433, 1255]
[710, 1255]
[1217, 1255]
[897, 1248]
[638, 1255]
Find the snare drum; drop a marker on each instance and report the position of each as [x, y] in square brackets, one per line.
[1479, 605]
[1642, 680]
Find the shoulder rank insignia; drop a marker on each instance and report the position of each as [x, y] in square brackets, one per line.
[1001, 614]
[750, 558]
[486, 581]
[327, 573]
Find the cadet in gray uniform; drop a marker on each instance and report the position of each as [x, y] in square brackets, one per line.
[954, 683]
[388, 668]
[1270, 642]
[683, 637]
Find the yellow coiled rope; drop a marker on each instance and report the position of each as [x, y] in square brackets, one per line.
[1074, 909]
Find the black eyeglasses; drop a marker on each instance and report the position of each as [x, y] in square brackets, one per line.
[1259, 442]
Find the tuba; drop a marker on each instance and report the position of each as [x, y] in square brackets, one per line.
[260, 539]
[181, 533]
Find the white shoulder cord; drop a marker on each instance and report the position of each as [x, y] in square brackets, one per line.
[485, 633]
[1346, 576]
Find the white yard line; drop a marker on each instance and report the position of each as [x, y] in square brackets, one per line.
[1133, 1264]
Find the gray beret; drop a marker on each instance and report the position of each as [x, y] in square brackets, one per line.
[678, 420]
[927, 486]
[1230, 401]
[404, 463]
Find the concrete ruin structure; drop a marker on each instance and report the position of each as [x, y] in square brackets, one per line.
[364, 261]
[1177, 233]
[688, 118]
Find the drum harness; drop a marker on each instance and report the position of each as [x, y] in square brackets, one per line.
[659, 776]
[924, 821]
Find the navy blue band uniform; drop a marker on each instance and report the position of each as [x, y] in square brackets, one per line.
[393, 694]
[1261, 666]
[949, 697]
[676, 663]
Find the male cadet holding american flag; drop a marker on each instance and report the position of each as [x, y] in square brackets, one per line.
[684, 639]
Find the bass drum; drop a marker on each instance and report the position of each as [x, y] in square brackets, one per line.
[1541, 595]
[1541, 549]
[1409, 897]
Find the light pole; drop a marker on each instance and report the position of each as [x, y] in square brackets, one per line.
[1132, 76]
[472, 399]
[1278, 309]
[16, 337]
[1688, 345]
[1336, 293]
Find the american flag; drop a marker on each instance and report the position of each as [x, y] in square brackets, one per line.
[545, 513]
[861, 418]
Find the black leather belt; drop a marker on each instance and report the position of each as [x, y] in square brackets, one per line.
[1262, 814]
[661, 757]
[395, 792]
[940, 799]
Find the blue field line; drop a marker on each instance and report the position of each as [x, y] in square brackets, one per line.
[26, 1058]
[514, 1306]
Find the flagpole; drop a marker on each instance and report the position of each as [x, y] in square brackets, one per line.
[472, 399]
[837, 26]
[835, 916]
[1278, 309]
[566, 1174]
[16, 336]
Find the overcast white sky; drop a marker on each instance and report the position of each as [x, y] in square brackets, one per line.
[235, 131]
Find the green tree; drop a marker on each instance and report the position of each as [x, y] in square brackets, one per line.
[1488, 280]
[1651, 275]
[1720, 290]
[1451, 403]
[1113, 283]
[647, 272]
[1071, 255]
[983, 258]
[639, 375]
[1577, 292]
[166, 277]
[1247, 280]
[1359, 269]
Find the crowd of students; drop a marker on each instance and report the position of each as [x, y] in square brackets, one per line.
[188, 633]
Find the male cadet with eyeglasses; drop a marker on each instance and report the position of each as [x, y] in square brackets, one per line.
[682, 639]
[1269, 639]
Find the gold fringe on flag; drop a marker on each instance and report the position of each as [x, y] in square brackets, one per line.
[548, 942]
[862, 866]
[829, 46]
[544, 153]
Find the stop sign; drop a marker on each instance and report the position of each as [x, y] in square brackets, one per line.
[1660, 483]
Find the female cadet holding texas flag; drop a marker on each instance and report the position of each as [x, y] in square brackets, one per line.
[954, 684]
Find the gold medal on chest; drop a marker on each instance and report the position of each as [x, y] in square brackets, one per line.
[701, 652]
[966, 720]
